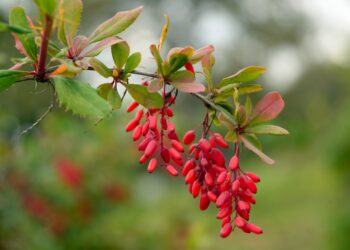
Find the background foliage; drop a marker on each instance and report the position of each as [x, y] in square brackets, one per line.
[302, 202]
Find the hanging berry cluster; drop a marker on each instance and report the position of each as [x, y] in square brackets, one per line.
[206, 171]
[157, 134]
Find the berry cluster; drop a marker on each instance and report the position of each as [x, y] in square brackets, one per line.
[156, 133]
[230, 188]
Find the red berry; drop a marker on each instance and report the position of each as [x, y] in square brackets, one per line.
[152, 165]
[209, 179]
[174, 154]
[226, 230]
[131, 125]
[171, 170]
[223, 198]
[189, 67]
[151, 148]
[220, 140]
[137, 133]
[222, 177]
[234, 162]
[212, 196]
[177, 145]
[204, 145]
[190, 177]
[165, 155]
[143, 159]
[239, 221]
[188, 166]
[253, 176]
[133, 105]
[189, 137]
[204, 201]
[254, 228]
[138, 115]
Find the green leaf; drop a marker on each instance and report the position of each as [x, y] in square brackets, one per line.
[208, 62]
[69, 17]
[241, 116]
[9, 77]
[143, 97]
[155, 52]
[226, 113]
[80, 98]
[47, 6]
[13, 28]
[133, 62]
[256, 151]
[18, 18]
[184, 81]
[231, 136]
[115, 25]
[100, 68]
[267, 129]
[247, 74]
[178, 57]
[110, 94]
[248, 106]
[227, 90]
[120, 54]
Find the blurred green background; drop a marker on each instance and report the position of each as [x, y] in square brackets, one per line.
[303, 201]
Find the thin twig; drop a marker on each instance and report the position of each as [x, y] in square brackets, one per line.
[41, 118]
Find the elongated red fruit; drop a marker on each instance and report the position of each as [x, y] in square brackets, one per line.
[190, 177]
[189, 137]
[220, 140]
[226, 230]
[223, 198]
[171, 170]
[234, 162]
[152, 165]
[204, 202]
[131, 125]
[254, 228]
[240, 222]
[177, 145]
[253, 176]
[189, 67]
[138, 115]
[174, 154]
[137, 133]
[133, 105]
[151, 148]
[165, 155]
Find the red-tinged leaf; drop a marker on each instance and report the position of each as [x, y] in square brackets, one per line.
[155, 85]
[115, 25]
[256, 151]
[202, 52]
[189, 87]
[100, 46]
[79, 44]
[184, 81]
[268, 107]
